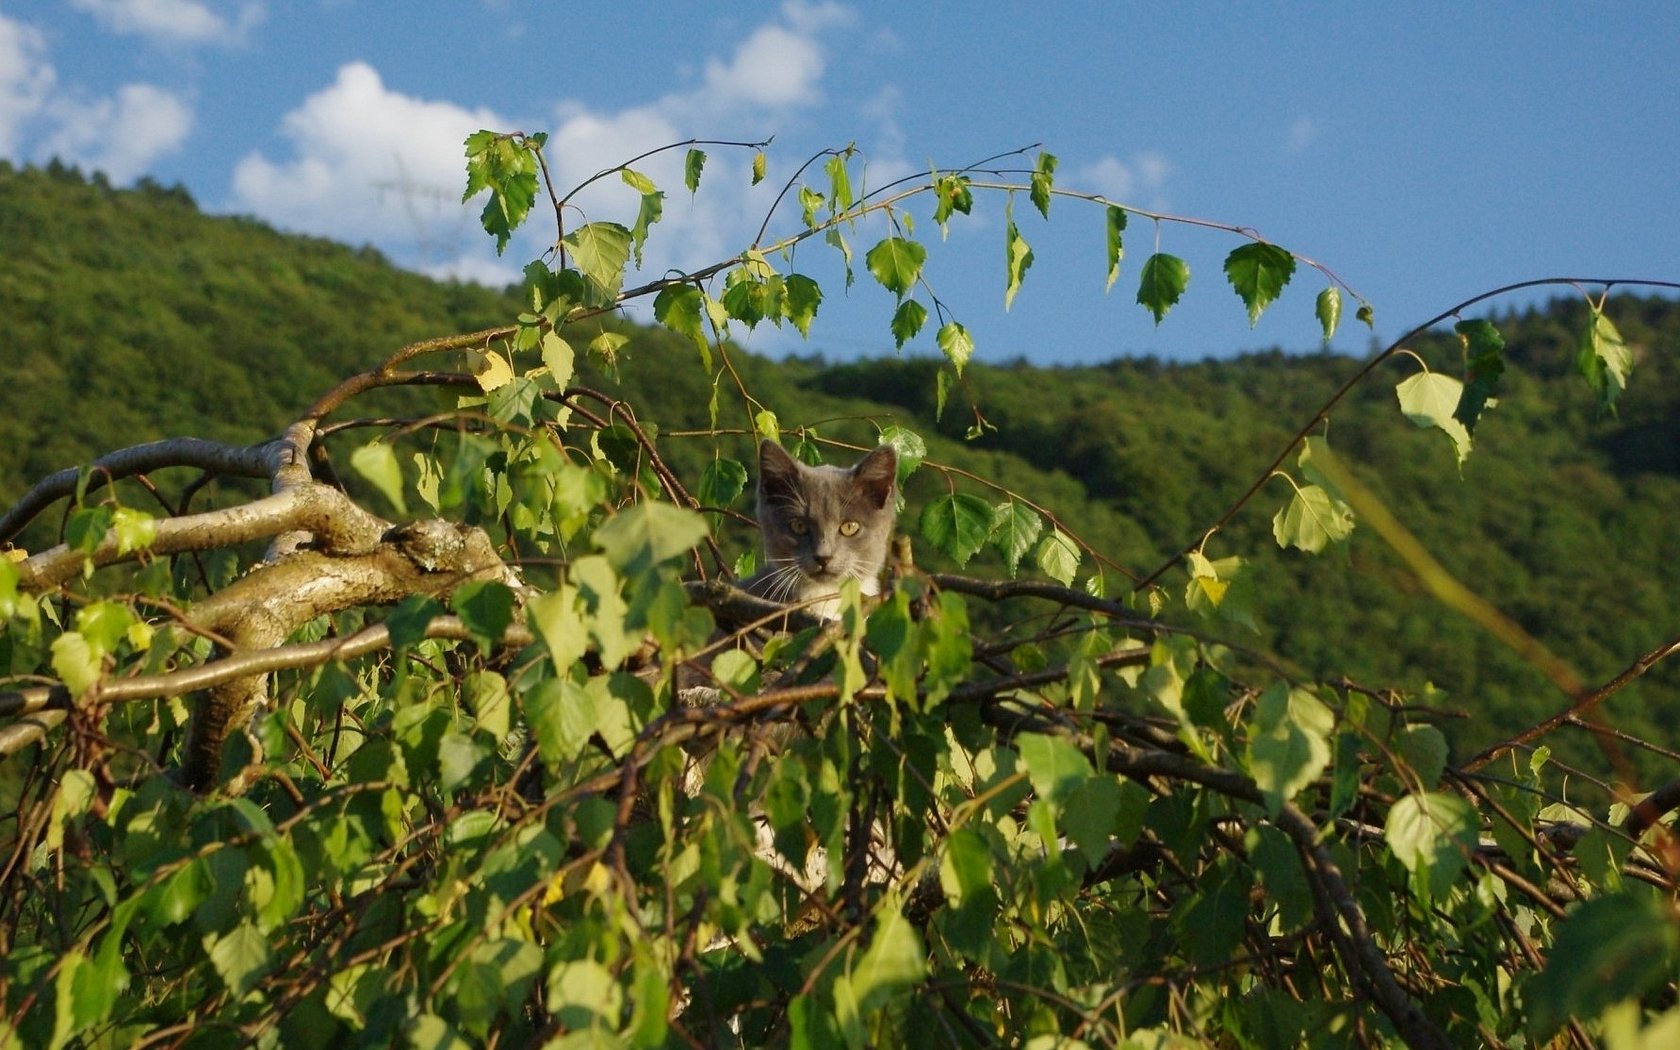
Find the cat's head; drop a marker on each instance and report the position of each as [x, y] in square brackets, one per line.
[824, 524]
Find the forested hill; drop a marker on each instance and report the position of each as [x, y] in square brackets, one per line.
[127, 316]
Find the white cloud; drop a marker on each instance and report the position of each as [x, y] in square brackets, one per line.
[174, 21]
[1139, 180]
[368, 163]
[474, 269]
[121, 136]
[810, 19]
[774, 67]
[1301, 134]
[26, 80]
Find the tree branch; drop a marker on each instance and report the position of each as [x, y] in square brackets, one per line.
[246, 461]
[1583, 702]
[338, 523]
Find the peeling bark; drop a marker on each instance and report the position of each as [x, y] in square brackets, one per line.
[261, 609]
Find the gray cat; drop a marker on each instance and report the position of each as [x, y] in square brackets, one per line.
[822, 525]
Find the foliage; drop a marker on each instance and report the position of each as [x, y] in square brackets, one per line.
[519, 766]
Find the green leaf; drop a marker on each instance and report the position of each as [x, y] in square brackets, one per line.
[693, 162]
[909, 446]
[839, 183]
[104, 624]
[1043, 177]
[486, 608]
[240, 958]
[409, 619]
[515, 401]
[844, 247]
[949, 647]
[559, 620]
[1054, 765]
[1090, 815]
[1431, 834]
[377, 462]
[1290, 747]
[637, 181]
[175, 899]
[1424, 749]
[1015, 528]
[66, 1010]
[583, 994]
[650, 999]
[1484, 360]
[1604, 360]
[1116, 250]
[1058, 557]
[1329, 309]
[745, 297]
[758, 167]
[285, 872]
[1018, 258]
[800, 301]
[736, 669]
[1430, 399]
[559, 358]
[965, 866]
[85, 529]
[76, 663]
[1258, 273]
[652, 209]
[677, 307]
[458, 757]
[722, 483]
[559, 714]
[1220, 588]
[1312, 520]
[957, 525]
[894, 960]
[134, 529]
[601, 250]
[896, 262]
[1162, 282]
[954, 194]
[647, 534]
[907, 320]
[1610, 948]
[955, 342]
[508, 169]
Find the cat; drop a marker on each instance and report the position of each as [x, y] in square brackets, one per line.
[822, 525]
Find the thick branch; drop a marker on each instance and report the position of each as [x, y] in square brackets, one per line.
[25, 731]
[261, 609]
[338, 524]
[247, 461]
[47, 706]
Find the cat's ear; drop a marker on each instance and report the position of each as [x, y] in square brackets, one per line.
[875, 474]
[776, 469]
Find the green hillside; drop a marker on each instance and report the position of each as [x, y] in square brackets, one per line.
[128, 315]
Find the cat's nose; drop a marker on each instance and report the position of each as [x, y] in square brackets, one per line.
[822, 561]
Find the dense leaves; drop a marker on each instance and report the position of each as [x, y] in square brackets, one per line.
[594, 799]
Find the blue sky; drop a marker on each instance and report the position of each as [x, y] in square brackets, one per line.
[1425, 152]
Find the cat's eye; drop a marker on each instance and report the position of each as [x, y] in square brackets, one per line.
[849, 528]
[797, 526]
